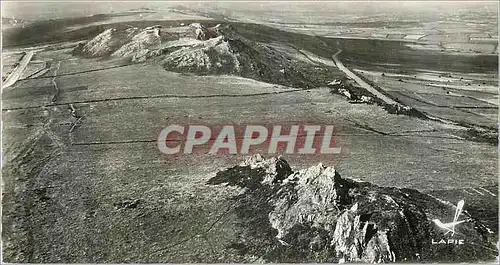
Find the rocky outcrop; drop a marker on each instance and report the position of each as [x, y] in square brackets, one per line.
[253, 172]
[316, 215]
[200, 32]
[356, 94]
[130, 42]
[144, 41]
[105, 43]
[209, 57]
[346, 88]
[207, 50]
[230, 53]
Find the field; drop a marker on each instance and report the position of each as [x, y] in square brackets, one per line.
[472, 100]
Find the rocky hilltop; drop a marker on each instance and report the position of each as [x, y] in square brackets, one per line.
[208, 50]
[121, 43]
[315, 215]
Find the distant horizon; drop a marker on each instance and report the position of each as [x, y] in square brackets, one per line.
[54, 10]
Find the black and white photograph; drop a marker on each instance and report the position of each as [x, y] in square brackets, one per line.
[249, 132]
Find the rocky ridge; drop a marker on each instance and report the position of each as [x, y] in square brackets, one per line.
[316, 215]
[207, 50]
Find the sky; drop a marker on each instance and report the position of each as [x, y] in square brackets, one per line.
[60, 9]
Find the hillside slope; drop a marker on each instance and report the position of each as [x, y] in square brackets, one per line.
[210, 50]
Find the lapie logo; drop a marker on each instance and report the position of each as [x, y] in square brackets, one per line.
[450, 227]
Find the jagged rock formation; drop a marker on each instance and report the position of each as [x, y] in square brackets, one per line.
[316, 215]
[211, 56]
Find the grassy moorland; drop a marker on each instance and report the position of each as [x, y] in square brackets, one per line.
[85, 182]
